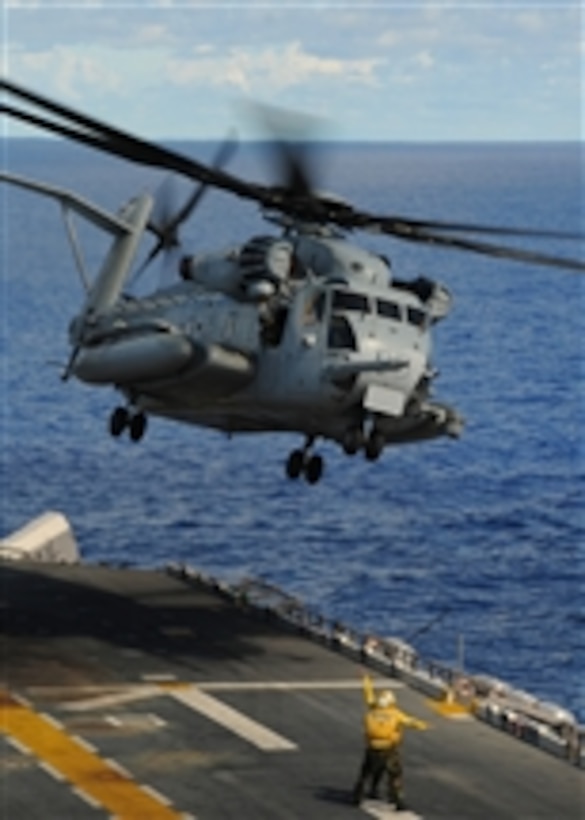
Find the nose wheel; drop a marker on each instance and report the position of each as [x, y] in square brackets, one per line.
[302, 462]
[123, 419]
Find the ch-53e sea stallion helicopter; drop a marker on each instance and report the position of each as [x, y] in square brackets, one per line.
[302, 331]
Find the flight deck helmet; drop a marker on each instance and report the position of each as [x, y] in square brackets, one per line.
[385, 699]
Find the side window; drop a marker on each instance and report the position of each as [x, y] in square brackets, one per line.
[390, 310]
[341, 335]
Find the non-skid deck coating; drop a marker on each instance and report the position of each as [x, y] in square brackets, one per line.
[138, 695]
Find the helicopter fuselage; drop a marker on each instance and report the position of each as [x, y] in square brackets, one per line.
[329, 352]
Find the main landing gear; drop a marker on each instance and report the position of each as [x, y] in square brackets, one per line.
[372, 444]
[301, 462]
[123, 419]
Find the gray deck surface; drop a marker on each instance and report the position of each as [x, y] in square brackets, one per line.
[141, 665]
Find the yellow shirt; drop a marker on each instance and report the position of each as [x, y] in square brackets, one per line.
[384, 726]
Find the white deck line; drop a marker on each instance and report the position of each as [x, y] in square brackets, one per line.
[380, 811]
[52, 771]
[16, 744]
[246, 728]
[83, 795]
[112, 699]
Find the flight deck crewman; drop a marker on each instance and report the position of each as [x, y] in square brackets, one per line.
[384, 723]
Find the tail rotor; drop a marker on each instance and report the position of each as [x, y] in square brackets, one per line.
[167, 216]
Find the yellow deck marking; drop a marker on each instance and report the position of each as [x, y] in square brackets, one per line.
[450, 709]
[85, 770]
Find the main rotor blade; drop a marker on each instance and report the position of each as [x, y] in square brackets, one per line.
[57, 128]
[497, 251]
[465, 227]
[346, 216]
[123, 144]
[303, 205]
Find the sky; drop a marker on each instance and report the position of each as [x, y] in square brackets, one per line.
[387, 70]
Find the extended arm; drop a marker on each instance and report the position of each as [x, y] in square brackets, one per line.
[369, 693]
[412, 722]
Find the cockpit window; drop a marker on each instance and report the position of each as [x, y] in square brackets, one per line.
[416, 316]
[341, 335]
[390, 310]
[346, 300]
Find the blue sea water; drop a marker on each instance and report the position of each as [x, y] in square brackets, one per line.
[483, 537]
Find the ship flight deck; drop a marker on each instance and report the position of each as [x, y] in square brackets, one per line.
[137, 694]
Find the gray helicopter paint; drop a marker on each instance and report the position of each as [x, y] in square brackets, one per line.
[106, 289]
[142, 356]
[332, 256]
[291, 385]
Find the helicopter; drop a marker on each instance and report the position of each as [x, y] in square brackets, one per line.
[300, 331]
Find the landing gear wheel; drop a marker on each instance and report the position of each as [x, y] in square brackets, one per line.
[137, 426]
[314, 469]
[119, 420]
[374, 446]
[353, 439]
[295, 464]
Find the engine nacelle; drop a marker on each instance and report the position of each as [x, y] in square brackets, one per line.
[255, 272]
[214, 271]
[265, 261]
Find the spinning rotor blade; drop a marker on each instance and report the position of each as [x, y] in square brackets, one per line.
[291, 133]
[163, 223]
[295, 198]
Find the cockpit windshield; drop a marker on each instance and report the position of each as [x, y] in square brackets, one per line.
[341, 335]
[416, 316]
[388, 309]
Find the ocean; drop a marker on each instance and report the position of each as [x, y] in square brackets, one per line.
[479, 540]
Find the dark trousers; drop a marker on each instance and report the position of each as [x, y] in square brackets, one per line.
[375, 763]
